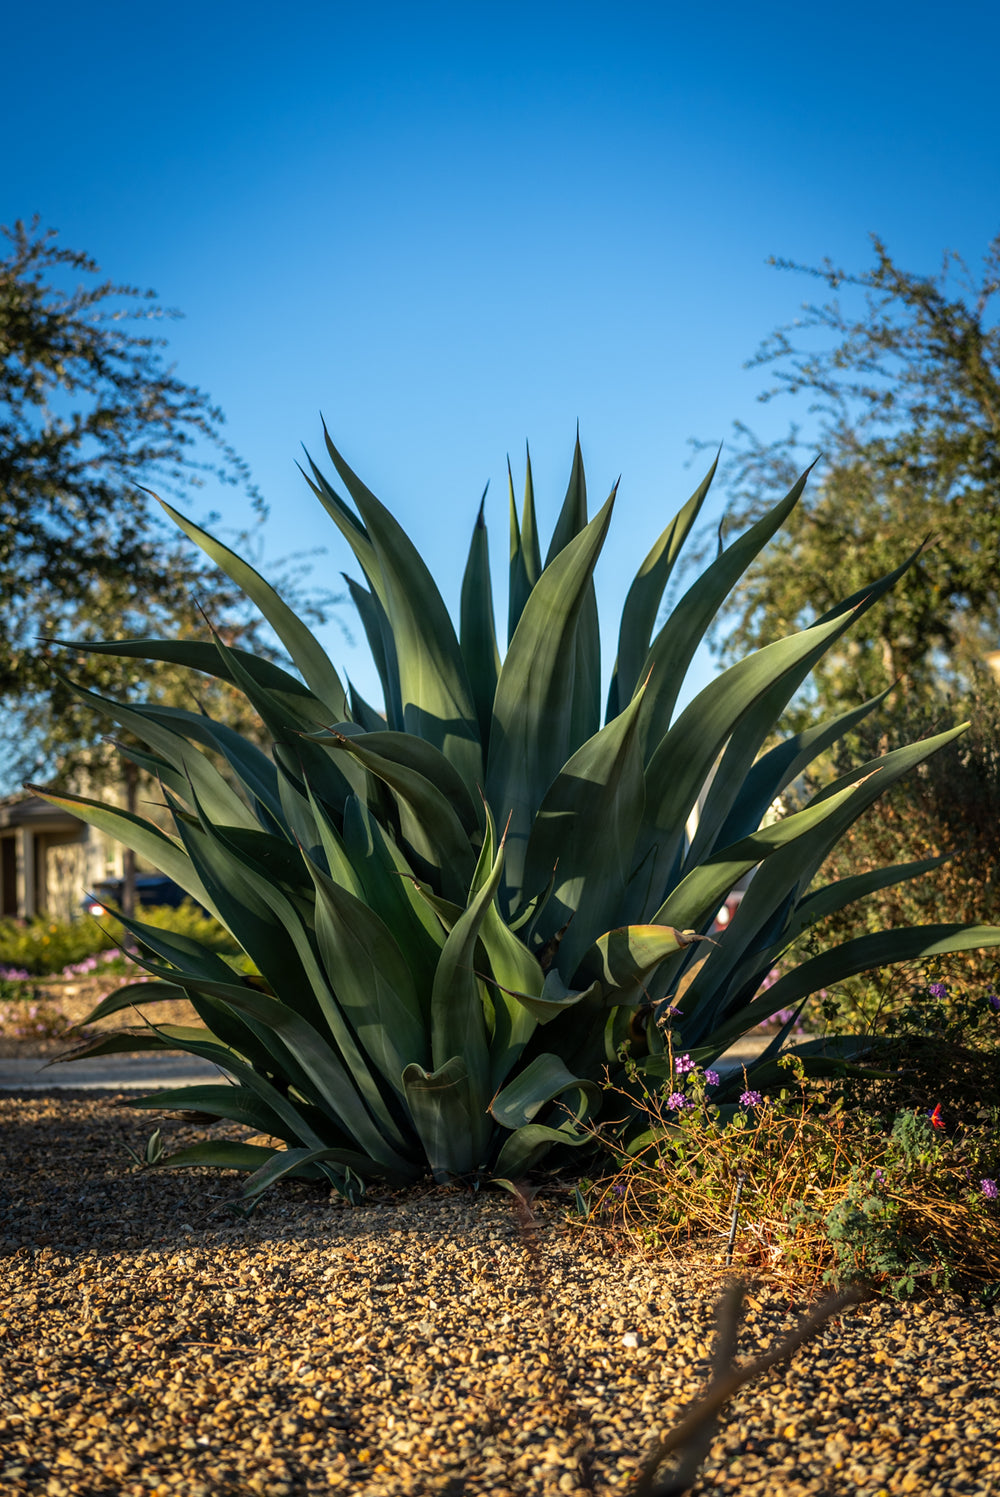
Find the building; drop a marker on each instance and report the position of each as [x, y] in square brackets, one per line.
[48, 859]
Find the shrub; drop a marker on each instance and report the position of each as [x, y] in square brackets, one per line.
[803, 1186]
[43, 947]
[459, 911]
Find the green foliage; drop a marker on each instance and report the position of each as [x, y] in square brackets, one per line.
[457, 912]
[825, 1189]
[903, 374]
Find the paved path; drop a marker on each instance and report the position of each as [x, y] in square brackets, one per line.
[113, 1072]
[156, 1072]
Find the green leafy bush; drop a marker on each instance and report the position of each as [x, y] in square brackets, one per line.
[460, 910]
[43, 947]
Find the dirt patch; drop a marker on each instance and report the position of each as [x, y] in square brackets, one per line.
[70, 1001]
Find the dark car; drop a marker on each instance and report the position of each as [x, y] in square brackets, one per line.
[150, 889]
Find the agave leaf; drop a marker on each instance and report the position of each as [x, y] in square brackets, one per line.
[334, 1089]
[746, 742]
[364, 714]
[308, 654]
[410, 753]
[437, 699]
[383, 649]
[450, 1117]
[757, 934]
[389, 887]
[291, 729]
[217, 795]
[674, 647]
[133, 995]
[676, 770]
[523, 1149]
[585, 710]
[138, 834]
[700, 893]
[602, 785]
[532, 735]
[297, 1164]
[190, 960]
[626, 956]
[203, 656]
[251, 766]
[643, 601]
[221, 1101]
[371, 978]
[430, 825]
[348, 1073]
[128, 1041]
[777, 768]
[525, 556]
[543, 1080]
[844, 891]
[220, 1155]
[477, 629]
[863, 954]
[458, 1023]
[351, 528]
[556, 999]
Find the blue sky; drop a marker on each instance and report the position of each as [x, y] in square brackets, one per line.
[451, 228]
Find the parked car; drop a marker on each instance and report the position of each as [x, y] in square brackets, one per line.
[150, 889]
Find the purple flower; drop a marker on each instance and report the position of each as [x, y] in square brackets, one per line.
[989, 1189]
[994, 1002]
[678, 1102]
[711, 1078]
[751, 1099]
[938, 990]
[880, 1177]
[618, 1189]
[683, 1064]
[674, 1013]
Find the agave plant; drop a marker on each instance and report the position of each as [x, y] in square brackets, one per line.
[461, 908]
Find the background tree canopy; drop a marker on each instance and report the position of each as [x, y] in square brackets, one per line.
[88, 411]
[907, 390]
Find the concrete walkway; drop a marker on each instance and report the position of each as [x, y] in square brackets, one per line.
[118, 1073]
[150, 1072]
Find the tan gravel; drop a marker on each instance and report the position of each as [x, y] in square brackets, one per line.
[153, 1343]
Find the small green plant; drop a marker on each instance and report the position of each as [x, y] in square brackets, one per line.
[814, 1188]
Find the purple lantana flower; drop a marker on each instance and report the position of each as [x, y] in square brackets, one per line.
[751, 1099]
[678, 1102]
[938, 990]
[683, 1064]
[994, 1002]
[711, 1078]
[989, 1189]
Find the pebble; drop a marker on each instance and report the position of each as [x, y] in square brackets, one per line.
[154, 1345]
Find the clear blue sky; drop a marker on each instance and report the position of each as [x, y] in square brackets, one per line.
[450, 228]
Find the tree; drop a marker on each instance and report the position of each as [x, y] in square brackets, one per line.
[906, 389]
[89, 411]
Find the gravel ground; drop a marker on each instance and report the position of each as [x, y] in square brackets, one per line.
[152, 1343]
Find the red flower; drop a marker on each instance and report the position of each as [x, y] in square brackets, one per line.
[937, 1121]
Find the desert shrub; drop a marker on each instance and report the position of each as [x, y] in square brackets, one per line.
[815, 1188]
